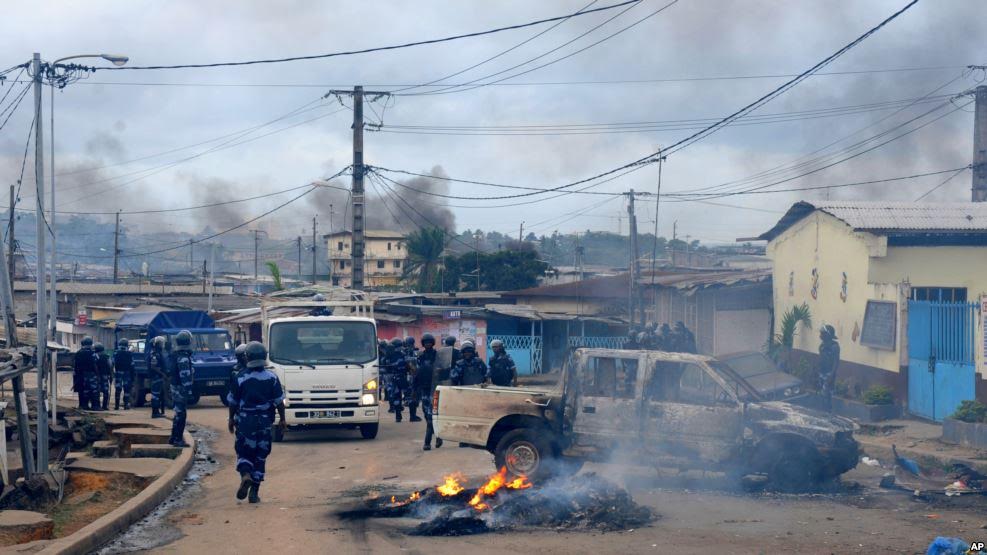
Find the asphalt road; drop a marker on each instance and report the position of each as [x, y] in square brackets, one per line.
[313, 475]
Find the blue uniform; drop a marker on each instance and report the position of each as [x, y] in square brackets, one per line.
[104, 375]
[468, 371]
[255, 394]
[396, 372]
[157, 366]
[83, 367]
[123, 375]
[182, 376]
[502, 370]
[412, 398]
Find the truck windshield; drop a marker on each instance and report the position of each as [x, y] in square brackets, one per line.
[323, 342]
[212, 342]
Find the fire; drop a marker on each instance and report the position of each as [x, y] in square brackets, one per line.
[411, 499]
[451, 485]
[493, 485]
[415, 496]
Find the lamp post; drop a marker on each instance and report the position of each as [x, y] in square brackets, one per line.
[47, 314]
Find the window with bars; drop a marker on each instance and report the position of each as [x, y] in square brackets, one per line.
[939, 294]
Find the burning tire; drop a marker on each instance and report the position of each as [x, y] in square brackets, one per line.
[369, 431]
[790, 462]
[526, 452]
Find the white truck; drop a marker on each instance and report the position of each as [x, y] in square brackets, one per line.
[325, 354]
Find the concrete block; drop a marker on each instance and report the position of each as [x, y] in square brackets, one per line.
[105, 449]
[126, 437]
[24, 526]
[154, 450]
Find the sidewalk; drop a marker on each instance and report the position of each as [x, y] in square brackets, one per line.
[917, 440]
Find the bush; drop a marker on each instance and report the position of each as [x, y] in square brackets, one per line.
[971, 411]
[878, 395]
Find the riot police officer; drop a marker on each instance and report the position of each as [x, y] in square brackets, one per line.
[83, 367]
[396, 378]
[253, 399]
[157, 369]
[450, 341]
[123, 373]
[104, 375]
[427, 376]
[182, 376]
[412, 400]
[470, 370]
[502, 370]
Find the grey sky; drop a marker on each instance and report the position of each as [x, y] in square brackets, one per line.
[99, 124]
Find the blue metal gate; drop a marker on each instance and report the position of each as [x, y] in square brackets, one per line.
[524, 349]
[941, 356]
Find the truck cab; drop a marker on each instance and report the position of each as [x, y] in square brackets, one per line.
[325, 354]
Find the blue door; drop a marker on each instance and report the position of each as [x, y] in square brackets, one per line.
[524, 349]
[941, 356]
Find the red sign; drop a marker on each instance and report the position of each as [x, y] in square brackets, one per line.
[81, 319]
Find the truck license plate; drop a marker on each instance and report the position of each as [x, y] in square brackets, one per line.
[215, 383]
[326, 414]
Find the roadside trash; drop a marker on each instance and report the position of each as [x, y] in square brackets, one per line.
[870, 462]
[957, 488]
[907, 464]
[947, 546]
[933, 516]
[887, 481]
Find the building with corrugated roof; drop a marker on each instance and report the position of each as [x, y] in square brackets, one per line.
[902, 283]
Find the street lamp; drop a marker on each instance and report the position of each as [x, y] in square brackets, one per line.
[47, 315]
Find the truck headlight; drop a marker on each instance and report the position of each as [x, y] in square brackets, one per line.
[370, 386]
[368, 399]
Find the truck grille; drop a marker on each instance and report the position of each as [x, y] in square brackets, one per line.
[322, 399]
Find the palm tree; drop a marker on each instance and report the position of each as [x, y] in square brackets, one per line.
[424, 247]
[780, 346]
[275, 275]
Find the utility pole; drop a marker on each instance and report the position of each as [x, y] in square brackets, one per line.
[11, 264]
[520, 233]
[315, 245]
[256, 249]
[205, 277]
[41, 325]
[299, 241]
[191, 255]
[633, 255]
[20, 398]
[212, 273]
[116, 250]
[357, 254]
[980, 145]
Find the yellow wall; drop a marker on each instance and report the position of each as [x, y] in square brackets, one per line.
[924, 267]
[825, 243]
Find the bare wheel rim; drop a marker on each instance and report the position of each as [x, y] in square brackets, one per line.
[522, 458]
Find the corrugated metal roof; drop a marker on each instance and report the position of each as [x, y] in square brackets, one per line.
[83, 288]
[702, 280]
[889, 217]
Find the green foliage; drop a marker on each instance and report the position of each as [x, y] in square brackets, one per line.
[780, 346]
[842, 389]
[503, 270]
[425, 247]
[878, 395]
[971, 411]
[275, 275]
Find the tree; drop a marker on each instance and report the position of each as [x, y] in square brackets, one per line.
[503, 270]
[275, 275]
[425, 247]
[780, 346]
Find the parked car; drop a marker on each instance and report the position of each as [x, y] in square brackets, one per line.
[663, 409]
[761, 372]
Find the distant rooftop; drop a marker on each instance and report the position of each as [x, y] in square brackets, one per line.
[886, 218]
[369, 233]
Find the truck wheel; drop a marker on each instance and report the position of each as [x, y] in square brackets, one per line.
[277, 434]
[369, 431]
[791, 463]
[193, 400]
[526, 452]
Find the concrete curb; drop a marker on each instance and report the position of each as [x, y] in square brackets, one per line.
[883, 453]
[105, 528]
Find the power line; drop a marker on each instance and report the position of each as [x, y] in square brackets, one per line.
[947, 180]
[374, 49]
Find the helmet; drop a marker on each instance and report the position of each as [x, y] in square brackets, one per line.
[828, 331]
[159, 342]
[450, 341]
[256, 354]
[382, 343]
[428, 339]
[99, 348]
[397, 342]
[319, 298]
[123, 344]
[496, 343]
[241, 353]
[409, 341]
[87, 341]
[183, 339]
[468, 346]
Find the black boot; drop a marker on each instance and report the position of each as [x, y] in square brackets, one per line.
[426, 447]
[414, 414]
[245, 485]
[397, 415]
[438, 442]
[254, 495]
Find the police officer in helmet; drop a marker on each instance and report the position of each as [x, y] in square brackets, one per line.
[123, 373]
[502, 370]
[157, 366]
[254, 397]
[104, 375]
[182, 377]
[83, 370]
[427, 377]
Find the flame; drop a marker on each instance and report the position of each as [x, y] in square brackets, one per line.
[415, 496]
[488, 489]
[451, 485]
[520, 482]
[393, 499]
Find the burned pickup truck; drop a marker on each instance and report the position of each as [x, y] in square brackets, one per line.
[668, 410]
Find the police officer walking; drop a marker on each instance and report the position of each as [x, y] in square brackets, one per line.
[411, 362]
[469, 370]
[157, 367]
[427, 377]
[104, 375]
[82, 368]
[829, 361]
[502, 370]
[123, 373]
[241, 366]
[182, 376]
[450, 342]
[396, 378]
[253, 399]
